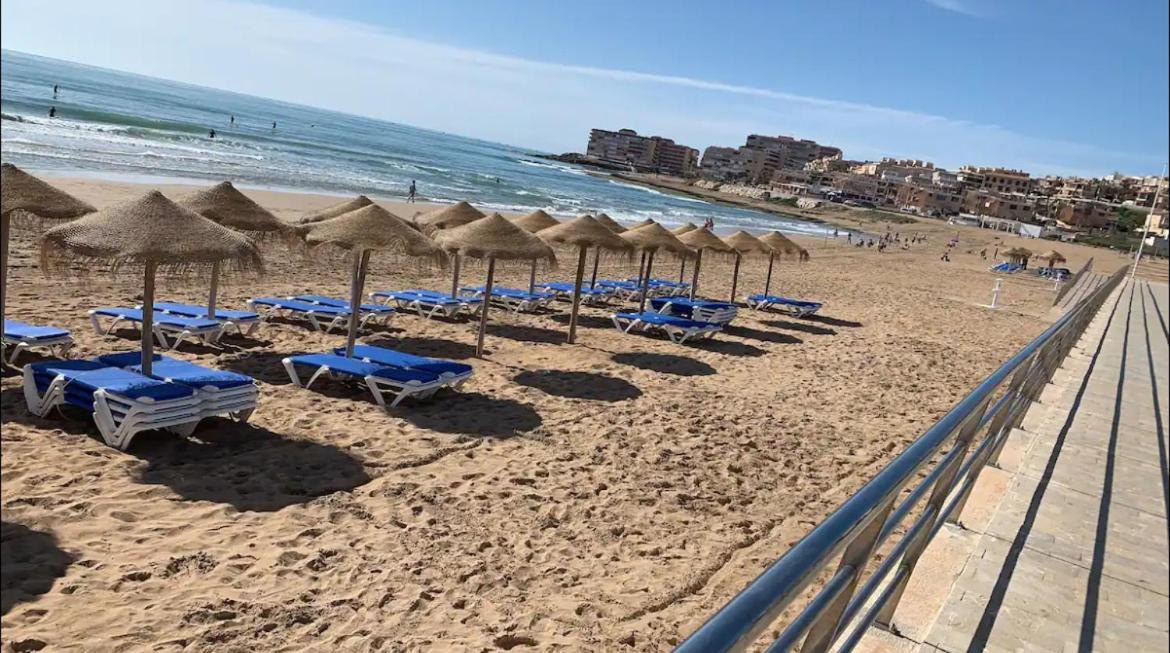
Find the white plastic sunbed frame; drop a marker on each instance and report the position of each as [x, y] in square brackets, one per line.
[378, 386]
[678, 335]
[209, 336]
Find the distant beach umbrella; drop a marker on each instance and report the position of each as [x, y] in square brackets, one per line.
[493, 238]
[612, 225]
[649, 240]
[226, 206]
[22, 194]
[701, 240]
[1052, 256]
[156, 233]
[781, 246]
[678, 231]
[335, 210]
[532, 223]
[370, 228]
[448, 217]
[583, 233]
[638, 225]
[744, 244]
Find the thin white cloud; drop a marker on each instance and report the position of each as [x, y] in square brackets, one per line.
[360, 68]
[957, 6]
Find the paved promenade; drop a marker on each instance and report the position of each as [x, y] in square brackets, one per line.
[1075, 558]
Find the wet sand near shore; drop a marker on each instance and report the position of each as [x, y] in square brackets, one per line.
[607, 495]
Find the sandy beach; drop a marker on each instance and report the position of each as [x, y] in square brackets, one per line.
[602, 496]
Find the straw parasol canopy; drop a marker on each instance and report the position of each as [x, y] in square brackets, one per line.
[645, 223]
[781, 245]
[583, 233]
[158, 234]
[335, 210]
[456, 215]
[20, 191]
[701, 239]
[744, 244]
[609, 222]
[362, 231]
[1052, 256]
[493, 238]
[21, 195]
[535, 221]
[650, 239]
[678, 231]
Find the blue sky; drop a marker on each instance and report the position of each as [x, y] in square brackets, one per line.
[1072, 87]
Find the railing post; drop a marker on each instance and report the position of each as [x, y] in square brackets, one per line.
[824, 630]
[934, 505]
[1001, 418]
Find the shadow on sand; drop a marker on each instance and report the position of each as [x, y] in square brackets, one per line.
[30, 562]
[762, 336]
[803, 327]
[665, 364]
[526, 333]
[247, 467]
[471, 413]
[584, 321]
[431, 347]
[833, 321]
[579, 385]
[264, 366]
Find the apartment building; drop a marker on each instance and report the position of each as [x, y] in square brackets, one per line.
[928, 200]
[1086, 214]
[643, 153]
[721, 163]
[998, 180]
[760, 157]
[1009, 207]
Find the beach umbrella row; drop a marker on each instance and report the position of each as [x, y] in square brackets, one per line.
[783, 246]
[702, 240]
[649, 239]
[449, 217]
[614, 226]
[743, 244]
[24, 194]
[532, 223]
[583, 233]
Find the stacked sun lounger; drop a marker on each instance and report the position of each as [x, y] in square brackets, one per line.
[384, 372]
[1007, 268]
[178, 327]
[513, 299]
[796, 307]
[20, 336]
[429, 303]
[242, 322]
[123, 402]
[678, 329]
[701, 310]
[592, 296]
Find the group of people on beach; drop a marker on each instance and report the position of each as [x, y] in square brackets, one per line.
[885, 240]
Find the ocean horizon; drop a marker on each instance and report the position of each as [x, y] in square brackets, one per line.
[128, 127]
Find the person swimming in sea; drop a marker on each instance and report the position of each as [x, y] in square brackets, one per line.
[211, 134]
[55, 90]
[232, 121]
[52, 112]
[274, 124]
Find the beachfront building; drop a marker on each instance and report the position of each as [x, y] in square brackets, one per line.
[1008, 206]
[760, 157]
[720, 163]
[1085, 214]
[928, 200]
[998, 180]
[1158, 223]
[642, 153]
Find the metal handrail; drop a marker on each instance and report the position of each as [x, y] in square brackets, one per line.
[870, 517]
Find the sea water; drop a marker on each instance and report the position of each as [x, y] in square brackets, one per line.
[117, 125]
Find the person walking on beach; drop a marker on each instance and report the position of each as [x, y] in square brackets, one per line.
[410, 197]
[52, 112]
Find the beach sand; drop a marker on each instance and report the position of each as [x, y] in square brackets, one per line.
[607, 495]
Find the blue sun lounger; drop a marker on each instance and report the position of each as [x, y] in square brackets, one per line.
[178, 327]
[453, 374]
[589, 295]
[700, 310]
[20, 336]
[665, 287]
[678, 329]
[381, 380]
[322, 318]
[513, 299]
[122, 403]
[429, 303]
[243, 322]
[221, 393]
[796, 307]
[370, 312]
[625, 290]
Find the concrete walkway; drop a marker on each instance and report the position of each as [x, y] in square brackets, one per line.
[1075, 558]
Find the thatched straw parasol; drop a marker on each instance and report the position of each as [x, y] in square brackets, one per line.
[781, 246]
[226, 206]
[583, 233]
[532, 223]
[22, 193]
[649, 239]
[335, 210]
[744, 244]
[493, 238]
[156, 233]
[1052, 256]
[361, 232]
[456, 215]
[682, 265]
[638, 225]
[699, 240]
